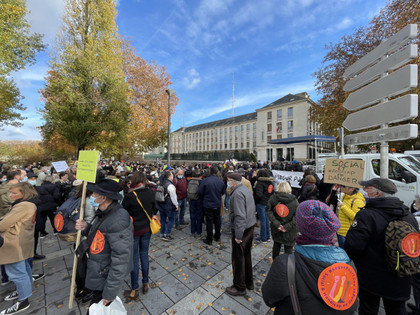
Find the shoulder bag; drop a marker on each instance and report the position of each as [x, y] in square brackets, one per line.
[154, 221]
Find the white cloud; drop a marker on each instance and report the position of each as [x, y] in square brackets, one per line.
[192, 79]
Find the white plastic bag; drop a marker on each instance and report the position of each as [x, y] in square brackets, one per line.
[115, 308]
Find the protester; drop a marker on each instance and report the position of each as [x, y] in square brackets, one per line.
[111, 250]
[211, 191]
[242, 219]
[365, 244]
[181, 186]
[315, 253]
[195, 204]
[139, 200]
[309, 190]
[352, 201]
[168, 209]
[264, 189]
[49, 196]
[17, 229]
[281, 211]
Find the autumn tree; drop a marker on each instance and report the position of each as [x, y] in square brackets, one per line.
[17, 49]
[329, 79]
[85, 93]
[148, 82]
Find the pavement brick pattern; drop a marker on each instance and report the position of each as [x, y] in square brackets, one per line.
[186, 277]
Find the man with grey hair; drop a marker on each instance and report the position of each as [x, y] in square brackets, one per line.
[242, 219]
[365, 244]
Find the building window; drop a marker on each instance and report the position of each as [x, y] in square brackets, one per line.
[269, 128]
[279, 127]
[247, 136]
[247, 144]
[279, 136]
[242, 145]
[254, 144]
[230, 145]
[254, 126]
[236, 145]
[290, 135]
[268, 139]
[230, 129]
[225, 145]
[236, 128]
[242, 128]
[290, 126]
[254, 135]
[269, 116]
[279, 114]
[248, 127]
[290, 112]
[226, 130]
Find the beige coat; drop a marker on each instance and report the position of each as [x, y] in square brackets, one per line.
[17, 228]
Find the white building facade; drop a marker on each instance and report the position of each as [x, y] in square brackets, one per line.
[286, 117]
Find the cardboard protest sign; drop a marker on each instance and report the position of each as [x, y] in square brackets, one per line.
[344, 172]
[60, 166]
[87, 164]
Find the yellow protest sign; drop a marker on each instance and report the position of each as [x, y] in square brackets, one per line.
[86, 166]
[344, 172]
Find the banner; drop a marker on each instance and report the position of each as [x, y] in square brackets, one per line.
[87, 164]
[344, 172]
[60, 166]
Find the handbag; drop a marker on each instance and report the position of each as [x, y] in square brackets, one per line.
[154, 221]
[115, 308]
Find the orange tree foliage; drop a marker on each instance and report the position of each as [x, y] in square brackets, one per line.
[148, 82]
[21, 152]
[329, 79]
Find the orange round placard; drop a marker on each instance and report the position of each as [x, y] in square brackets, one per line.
[410, 244]
[270, 189]
[281, 210]
[338, 286]
[98, 243]
[59, 222]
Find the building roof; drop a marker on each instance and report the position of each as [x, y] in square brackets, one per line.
[222, 122]
[286, 99]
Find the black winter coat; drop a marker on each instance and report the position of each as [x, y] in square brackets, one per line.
[289, 221]
[309, 192]
[275, 289]
[264, 189]
[365, 244]
[130, 203]
[49, 196]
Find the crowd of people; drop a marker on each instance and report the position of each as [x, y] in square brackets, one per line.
[320, 227]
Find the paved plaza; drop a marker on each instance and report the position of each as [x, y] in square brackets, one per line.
[186, 277]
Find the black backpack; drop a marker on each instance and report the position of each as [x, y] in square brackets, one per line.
[402, 244]
[67, 214]
[193, 189]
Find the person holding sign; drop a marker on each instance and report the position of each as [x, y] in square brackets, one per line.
[109, 242]
[321, 279]
[352, 201]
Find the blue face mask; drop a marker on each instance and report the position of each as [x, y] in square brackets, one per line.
[32, 182]
[24, 179]
[4, 179]
[228, 184]
[180, 176]
[93, 203]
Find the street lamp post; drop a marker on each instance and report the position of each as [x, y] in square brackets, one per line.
[169, 92]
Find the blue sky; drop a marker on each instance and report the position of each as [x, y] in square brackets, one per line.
[269, 47]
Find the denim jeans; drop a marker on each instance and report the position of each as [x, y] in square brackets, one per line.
[341, 240]
[227, 198]
[140, 251]
[196, 214]
[181, 211]
[21, 274]
[264, 223]
[166, 227]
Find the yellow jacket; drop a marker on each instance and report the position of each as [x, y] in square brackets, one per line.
[348, 211]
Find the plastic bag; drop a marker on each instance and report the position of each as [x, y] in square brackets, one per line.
[115, 308]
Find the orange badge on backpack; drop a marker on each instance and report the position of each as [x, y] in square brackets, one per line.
[58, 222]
[338, 286]
[410, 245]
[98, 243]
[281, 210]
[270, 189]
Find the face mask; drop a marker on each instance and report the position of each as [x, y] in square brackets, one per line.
[32, 182]
[4, 179]
[228, 185]
[24, 179]
[180, 176]
[92, 202]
